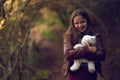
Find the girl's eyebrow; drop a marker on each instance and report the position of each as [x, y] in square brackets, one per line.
[76, 22]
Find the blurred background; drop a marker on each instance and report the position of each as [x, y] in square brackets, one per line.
[31, 36]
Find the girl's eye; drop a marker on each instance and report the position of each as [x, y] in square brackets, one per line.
[82, 22]
[76, 23]
[79, 22]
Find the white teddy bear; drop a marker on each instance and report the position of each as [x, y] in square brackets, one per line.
[87, 40]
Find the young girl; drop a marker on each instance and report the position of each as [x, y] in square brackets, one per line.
[79, 26]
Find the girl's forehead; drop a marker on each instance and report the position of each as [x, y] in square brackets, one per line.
[79, 18]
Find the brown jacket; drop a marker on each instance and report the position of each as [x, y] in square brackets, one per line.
[70, 54]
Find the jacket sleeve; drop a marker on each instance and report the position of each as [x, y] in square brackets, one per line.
[99, 55]
[70, 53]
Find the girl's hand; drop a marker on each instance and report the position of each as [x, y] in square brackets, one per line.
[92, 49]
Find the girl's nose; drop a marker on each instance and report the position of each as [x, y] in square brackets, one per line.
[79, 25]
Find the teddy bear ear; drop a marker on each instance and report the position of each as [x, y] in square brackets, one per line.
[94, 37]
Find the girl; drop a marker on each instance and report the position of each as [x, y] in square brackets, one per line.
[79, 26]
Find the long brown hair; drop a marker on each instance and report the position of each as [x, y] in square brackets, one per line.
[72, 30]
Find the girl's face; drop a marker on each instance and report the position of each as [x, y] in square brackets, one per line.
[80, 23]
